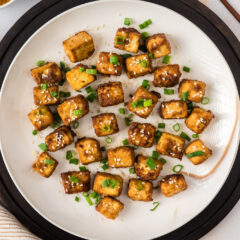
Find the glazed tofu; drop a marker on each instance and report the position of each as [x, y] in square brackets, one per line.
[105, 124]
[140, 190]
[109, 207]
[79, 47]
[49, 96]
[121, 157]
[78, 78]
[197, 146]
[142, 102]
[110, 94]
[143, 170]
[76, 181]
[167, 76]
[41, 118]
[88, 150]
[110, 63]
[199, 119]
[170, 145]
[108, 184]
[127, 39]
[45, 164]
[172, 184]
[194, 88]
[138, 65]
[141, 134]
[59, 138]
[174, 109]
[158, 45]
[73, 109]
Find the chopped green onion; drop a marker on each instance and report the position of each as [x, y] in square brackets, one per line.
[125, 142]
[195, 154]
[190, 105]
[104, 160]
[145, 24]
[126, 55]
[138, 185]
[120, 40]
[158, 134]
[104, 167]
[64, 68]
[62, 82]
[43, 146]
[73, 161]
[88, 199]
[44, 86]
[186, 69]
[168, 91]
[176, 127]
[77, 199]
[184, 96]
[185, 136]
[147, 103]
[81, 69]
[144, 35]
[161, 125]
[85, 194]
[134, 104]
[106, 128]
[150, 55]
[205, 100]
[49, 161]
[92, 96]
[151, 163]
[108, 140]
[69, 155]
[131, 170]
[114, 60]
[127, 21]
[162, 160]
[91, 71]
[89, 89]
[77, 112]
[94, 195]
[65, 94]
[122, 110]
[75, 125]
[34, 132]
[54, 125]
[166, 59]
[155, 204]
[155, 155]
[54, 94]
[145, 84]
[144, 63]
[74, 179]
[195, 136]
[79, 90]
[106, 183]
[177, 168]
[103, 149]
[113, 183]
[82, 168]
[128, 119]
[40, 63]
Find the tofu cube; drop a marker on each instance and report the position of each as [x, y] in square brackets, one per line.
[199, 119]
[88, 150]
[45, 164]
[108, 184]
[41, 118]
[170, 145]
[172, 184]
[79, 47]
[140, 190]
[73, 109]
[110, 94]
[109, 207]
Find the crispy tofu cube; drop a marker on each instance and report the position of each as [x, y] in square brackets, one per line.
[195, 89]
[49, 73]
[141, 134]
[199, 119]
[79, 79]
[138, 65]
[110, 94]
[167, 76]
[76, 181]
[108, 184]
[158, 45]
[140, 190]
[105, 124]
[172, 184]
[88, 150]
[127, 39]
[170, 145]
[43, 97]
[174, 109]
[105, 66]
[198, 145]
[79, 47]
[142, 168]
[140, 98]
[59, 138]
[109, 207]
[73, 109]
[45, 164]
[41, 117]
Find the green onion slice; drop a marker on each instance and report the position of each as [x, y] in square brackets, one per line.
[145, 84]
[81, 69]
[88, 199]
[125, 142]
[195, 135]
[54, 94]
[205, 100]
[106, 128]
[43, 147]
[195, 154]
[77, 112]
[186, 69]
[151, 163]
[131, 170]
[34, 132]
[75, 125]
[155, 204]
[89, 89]
[138, 185]
[162, 160]
[82, 168]
[49, 161]
[147, 103]
[161, 125]
[150, 55]
[166, 59]
[44, 86]
[91, 71]
[177, 168]
[77, 199]
[73, 161]
[106, 183]
[69, 155]
[144, 35]
[168, 91]
[144, 63]
[108, 140]
[40, 63]
[120, 40]
[185, 136]
[74, 179]
[104, 167]
[155, 155]
[122, 110]
[127, 21]
[184, 96]
[176, 127]
[145, 24]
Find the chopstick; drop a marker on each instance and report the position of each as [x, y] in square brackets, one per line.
[231, 9]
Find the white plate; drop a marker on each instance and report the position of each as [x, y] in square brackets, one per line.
[190, 47]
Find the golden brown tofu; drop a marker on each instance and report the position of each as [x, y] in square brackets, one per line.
[140, 190]
[158, 45]
[172, 184]
[167, 76]
[76, 181]
[110, 94]
[73, 109]
[79, 47]
[174, 109]
[109, 207]
[202, 153]
[195, 89]
[141, 134]
[199, 119]
[78, 78]
[110, 63]
[108, 184]
[170, 145]
[138, 65]
[142, 102]
[41, 117]
[105, 124]
[49, 73]
[148, 168]
[45, 164]
[88, 150]
[59, 138]
[49, 96]
[127, 39]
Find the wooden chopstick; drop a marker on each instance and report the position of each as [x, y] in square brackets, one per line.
[231, 9]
